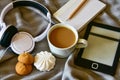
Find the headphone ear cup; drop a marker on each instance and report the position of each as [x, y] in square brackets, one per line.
[7, 36]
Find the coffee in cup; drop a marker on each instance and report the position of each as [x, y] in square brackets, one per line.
[62, 37]
[62, 40]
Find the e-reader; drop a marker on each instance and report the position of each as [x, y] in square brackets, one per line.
[103, 50]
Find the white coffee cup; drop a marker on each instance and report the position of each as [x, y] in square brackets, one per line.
[63, 52]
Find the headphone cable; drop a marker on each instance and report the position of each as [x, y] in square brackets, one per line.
[2, 52]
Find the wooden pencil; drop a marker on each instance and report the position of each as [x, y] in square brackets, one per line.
[77, 8]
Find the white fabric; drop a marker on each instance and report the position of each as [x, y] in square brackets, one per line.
[65, 69]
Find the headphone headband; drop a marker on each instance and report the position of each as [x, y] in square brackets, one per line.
[15, 4]
[28, 3]
[31, 4]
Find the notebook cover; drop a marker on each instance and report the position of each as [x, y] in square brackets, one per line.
[85, 14]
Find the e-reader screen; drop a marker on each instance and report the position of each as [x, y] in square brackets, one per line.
[102, 46]
[102, 52]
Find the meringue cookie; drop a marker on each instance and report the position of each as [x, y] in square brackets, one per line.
[26, 58]
[23, 69]
[44, 61]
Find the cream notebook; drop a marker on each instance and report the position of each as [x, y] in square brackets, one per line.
[85, 14]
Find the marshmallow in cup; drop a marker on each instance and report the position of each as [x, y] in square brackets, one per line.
[63, 52]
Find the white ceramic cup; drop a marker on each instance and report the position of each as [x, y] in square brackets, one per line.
[65, 52]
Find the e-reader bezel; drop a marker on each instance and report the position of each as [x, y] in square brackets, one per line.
[96, 65]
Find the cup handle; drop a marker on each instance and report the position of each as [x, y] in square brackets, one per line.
[82, 43]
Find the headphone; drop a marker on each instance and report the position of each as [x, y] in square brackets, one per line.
[21, 41]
